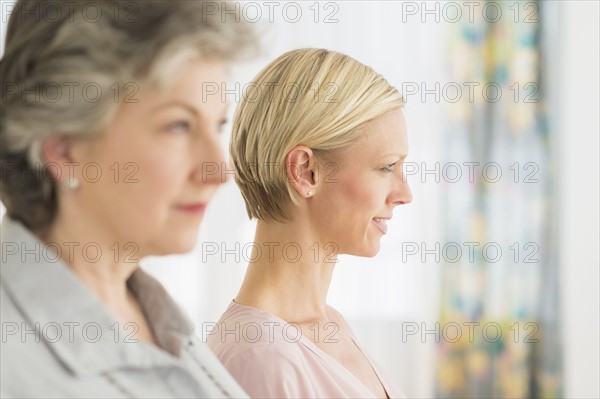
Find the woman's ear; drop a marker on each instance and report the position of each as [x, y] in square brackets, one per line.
[56, 150]
[302, 170]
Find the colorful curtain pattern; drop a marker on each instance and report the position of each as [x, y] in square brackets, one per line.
[499, 312]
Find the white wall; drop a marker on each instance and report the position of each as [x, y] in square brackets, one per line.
[579, 203]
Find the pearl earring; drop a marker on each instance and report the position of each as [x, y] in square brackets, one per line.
[309, 193]
[72, 183]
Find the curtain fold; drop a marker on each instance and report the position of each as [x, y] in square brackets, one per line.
[504, 298]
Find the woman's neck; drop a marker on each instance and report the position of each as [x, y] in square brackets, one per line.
[94, 259]
[289, 274]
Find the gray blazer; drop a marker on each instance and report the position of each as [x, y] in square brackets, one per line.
[59, 340]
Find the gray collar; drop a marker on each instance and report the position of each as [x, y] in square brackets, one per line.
[54, 301]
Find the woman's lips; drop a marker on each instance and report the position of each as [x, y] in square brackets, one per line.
[193, 209]
[381, 224]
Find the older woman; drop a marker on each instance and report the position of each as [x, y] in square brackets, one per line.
[105, 136]
[318, 149]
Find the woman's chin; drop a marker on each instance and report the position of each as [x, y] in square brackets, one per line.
[367, 251]
[182, 239]
[177, 245]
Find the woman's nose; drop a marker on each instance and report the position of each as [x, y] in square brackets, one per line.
[211, 167]
[402, 193]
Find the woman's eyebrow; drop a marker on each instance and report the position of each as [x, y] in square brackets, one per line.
[180, 104]
[400, 155]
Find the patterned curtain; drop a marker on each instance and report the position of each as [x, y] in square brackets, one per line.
[499, 310]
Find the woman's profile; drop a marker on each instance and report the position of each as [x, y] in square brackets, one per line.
[104, 130]
[318, 153]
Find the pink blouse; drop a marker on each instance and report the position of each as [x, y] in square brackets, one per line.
[269, 358]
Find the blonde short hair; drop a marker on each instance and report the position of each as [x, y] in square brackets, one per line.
[52, 46]
[315, 97]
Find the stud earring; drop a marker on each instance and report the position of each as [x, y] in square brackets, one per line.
[309, 193]
[72, 183]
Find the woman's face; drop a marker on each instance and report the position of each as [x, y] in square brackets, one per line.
[160, 161]
[360, 188]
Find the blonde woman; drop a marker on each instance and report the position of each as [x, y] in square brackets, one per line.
[318, 149]
[104, 131]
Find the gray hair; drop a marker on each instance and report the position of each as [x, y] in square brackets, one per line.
[60, 55]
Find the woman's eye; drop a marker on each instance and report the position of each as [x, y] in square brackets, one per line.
[179, 126]
[390, 167]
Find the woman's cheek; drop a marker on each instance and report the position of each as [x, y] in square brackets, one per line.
[165, 171]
